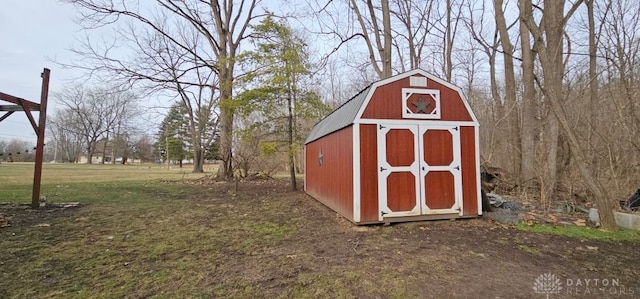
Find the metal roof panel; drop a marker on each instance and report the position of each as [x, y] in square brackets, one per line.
[340, 118]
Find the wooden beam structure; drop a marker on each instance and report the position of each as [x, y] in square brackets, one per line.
[21, 104]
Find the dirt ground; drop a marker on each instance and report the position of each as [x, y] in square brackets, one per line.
[277, 243]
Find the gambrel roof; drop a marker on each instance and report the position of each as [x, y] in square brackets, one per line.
[350, 112]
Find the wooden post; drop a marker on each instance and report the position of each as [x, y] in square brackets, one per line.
[37, 173]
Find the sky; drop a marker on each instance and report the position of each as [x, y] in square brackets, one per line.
[32, 34]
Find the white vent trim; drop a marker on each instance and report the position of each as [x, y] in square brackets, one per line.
[418, 81]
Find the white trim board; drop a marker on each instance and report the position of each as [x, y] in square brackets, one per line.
[372, 121]
[356, 172]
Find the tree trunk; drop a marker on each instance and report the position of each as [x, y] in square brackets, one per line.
[448, 62]
[104, 149]
[529, 121]
[198, 159]
[292, 166]
[90, 151]
[198, 150]
[386, 23]
[593, 85]
[549, 180]
[382, 37]
[510, 89]
[226, 125]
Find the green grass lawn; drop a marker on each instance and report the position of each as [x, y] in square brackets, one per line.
[72, 182]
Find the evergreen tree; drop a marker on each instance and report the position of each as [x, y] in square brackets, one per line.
[280, 93]
[171, 137]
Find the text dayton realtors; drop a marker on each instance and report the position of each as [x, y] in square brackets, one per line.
[594, 286]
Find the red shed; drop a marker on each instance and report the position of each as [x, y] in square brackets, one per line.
[404, 148]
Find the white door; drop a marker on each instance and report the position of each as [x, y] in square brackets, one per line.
[418, 170]
[440, 169]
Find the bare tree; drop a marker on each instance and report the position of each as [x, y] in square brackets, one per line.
[67, 143]
[529, 104]
[375, 23]
[221, 26]
[411, 37]
[548, 41]
[476, 26]
[91, 113]
[446, 22]
[508, 50]
[593, 79]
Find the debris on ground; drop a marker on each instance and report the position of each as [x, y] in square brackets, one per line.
[498, 202]
[5, 221]
[633, 203]
[504, 211]
[20, 215]
[66, 205]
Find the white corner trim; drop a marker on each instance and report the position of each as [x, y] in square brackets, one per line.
[356, 172]
[478, 178]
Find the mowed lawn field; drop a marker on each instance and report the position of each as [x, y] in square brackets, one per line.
[145, 231]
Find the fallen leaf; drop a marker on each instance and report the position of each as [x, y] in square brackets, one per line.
[43, 225]
[592, 247]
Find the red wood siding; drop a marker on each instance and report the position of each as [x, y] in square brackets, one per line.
[332, 183]
[386, 102]
[469, 177]
[368, 173]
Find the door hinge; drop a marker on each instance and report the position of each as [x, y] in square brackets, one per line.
[382, 213]
[382, 169]
[455, 128]
[382, 127]
[457, 168]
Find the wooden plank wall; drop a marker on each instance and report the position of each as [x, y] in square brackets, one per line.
[469, 177]
[368, 173]
[332, 182]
